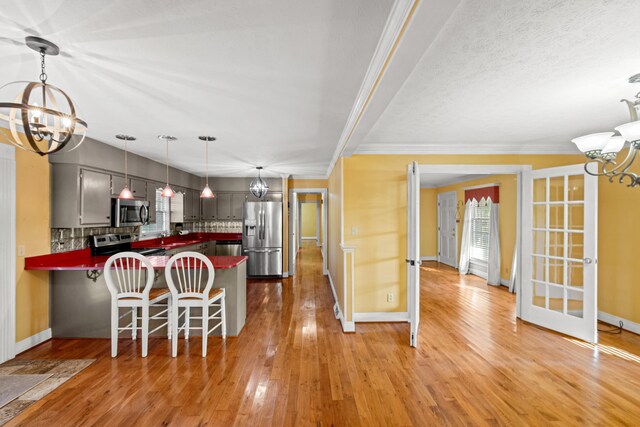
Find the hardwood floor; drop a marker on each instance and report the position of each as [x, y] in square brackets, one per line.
[292, 365]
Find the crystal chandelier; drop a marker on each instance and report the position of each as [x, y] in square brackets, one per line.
[206, 192]
[167, 191]
[604, 147]
[258, 186]
[40, 117]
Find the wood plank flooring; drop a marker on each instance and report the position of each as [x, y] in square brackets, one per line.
[292, 365]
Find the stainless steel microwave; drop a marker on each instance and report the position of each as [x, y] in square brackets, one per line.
[128, 213]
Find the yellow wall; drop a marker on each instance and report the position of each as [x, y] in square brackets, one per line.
[335, 261]
[308, 220]
[508, 212]
[428, 222]
[308, 183]
[375, 202]
[32, 231]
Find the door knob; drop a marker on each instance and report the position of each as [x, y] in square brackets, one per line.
[588, 260]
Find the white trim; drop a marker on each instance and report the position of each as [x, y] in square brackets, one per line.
[391, 316]
[457, 148]
[487, 169]
[7, 252]
[429, 258]
[333, 290]
[309, 238]
[475, 187]
[627, 325]
[346, 326]
[33, 341]
[285, 274]
[504, 282]
[399, 17]
[440, 196]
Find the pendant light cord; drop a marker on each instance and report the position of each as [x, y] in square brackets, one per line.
[125, 163]
[206, 168]
[167, 151]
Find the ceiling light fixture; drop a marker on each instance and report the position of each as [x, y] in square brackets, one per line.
[40, 117]
[167, 191]
[206, 191]
[604, 147]
[258, 186]
[125, 193]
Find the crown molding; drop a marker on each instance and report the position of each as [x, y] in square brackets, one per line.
[450, 148]
[399, 17]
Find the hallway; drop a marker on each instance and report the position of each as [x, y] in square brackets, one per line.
[292, 365]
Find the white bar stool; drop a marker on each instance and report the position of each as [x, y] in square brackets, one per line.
[130, 288]
[189, 289]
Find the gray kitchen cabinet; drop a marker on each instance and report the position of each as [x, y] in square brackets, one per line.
[196, 205]
[139, 188]
[210, 209]
[95, 198]
[224, 206]
[117, 184]
[151, 198]
[237, 205]
[188, 205]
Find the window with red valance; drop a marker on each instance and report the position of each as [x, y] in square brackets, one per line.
[491, 192]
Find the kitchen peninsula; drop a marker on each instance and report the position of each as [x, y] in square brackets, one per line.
[80, 300]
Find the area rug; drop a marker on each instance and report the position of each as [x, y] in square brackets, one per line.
[24, 382]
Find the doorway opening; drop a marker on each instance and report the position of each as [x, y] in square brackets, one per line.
[308, 221]
[555, 255]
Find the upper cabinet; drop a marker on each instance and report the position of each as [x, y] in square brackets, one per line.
[139, 188]
[237, 205]
[210, 209]
[117, 184]
[95, 198]
[224, 206]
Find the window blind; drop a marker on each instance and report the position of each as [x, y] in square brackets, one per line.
[480, 233]
[163, 212]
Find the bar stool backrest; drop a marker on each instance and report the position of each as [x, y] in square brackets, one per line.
[189, 275]
[129, 275]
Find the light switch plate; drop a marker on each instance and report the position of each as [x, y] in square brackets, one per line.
[354, 231]
[21, 250]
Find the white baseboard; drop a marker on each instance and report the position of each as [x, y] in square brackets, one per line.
[615, 321]
[381, 317]
[346, 326]
[504, 282]
[429, 258]
[33, 341]
[285, 274]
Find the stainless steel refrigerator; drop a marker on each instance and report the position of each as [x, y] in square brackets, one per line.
[262, 238]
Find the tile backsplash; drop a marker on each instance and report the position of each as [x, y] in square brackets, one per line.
[71, 239]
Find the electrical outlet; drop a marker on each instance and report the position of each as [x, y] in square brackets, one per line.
[354, 231]
[389, 297]
[21, 250]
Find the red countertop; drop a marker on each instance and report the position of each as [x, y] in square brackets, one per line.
[83, 260]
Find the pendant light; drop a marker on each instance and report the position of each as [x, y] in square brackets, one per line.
[206, 192]
[40, 117]
[125, 193]
[258, 186]
[167, 191]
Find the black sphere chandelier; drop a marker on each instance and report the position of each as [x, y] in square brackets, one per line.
[40, 117]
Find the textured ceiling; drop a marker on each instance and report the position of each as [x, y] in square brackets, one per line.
[273, 80]
[435, 180]
[516, 76]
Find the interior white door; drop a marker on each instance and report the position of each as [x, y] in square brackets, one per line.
[447, 229]
[7, 252]
[559, 250]
[413, 250]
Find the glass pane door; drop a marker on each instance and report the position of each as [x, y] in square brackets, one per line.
[560, 250]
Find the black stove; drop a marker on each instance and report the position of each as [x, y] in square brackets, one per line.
[109, 244]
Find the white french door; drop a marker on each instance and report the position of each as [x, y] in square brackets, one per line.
[559, 250]
[7, 252]
[413, 250]
[447, 229]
